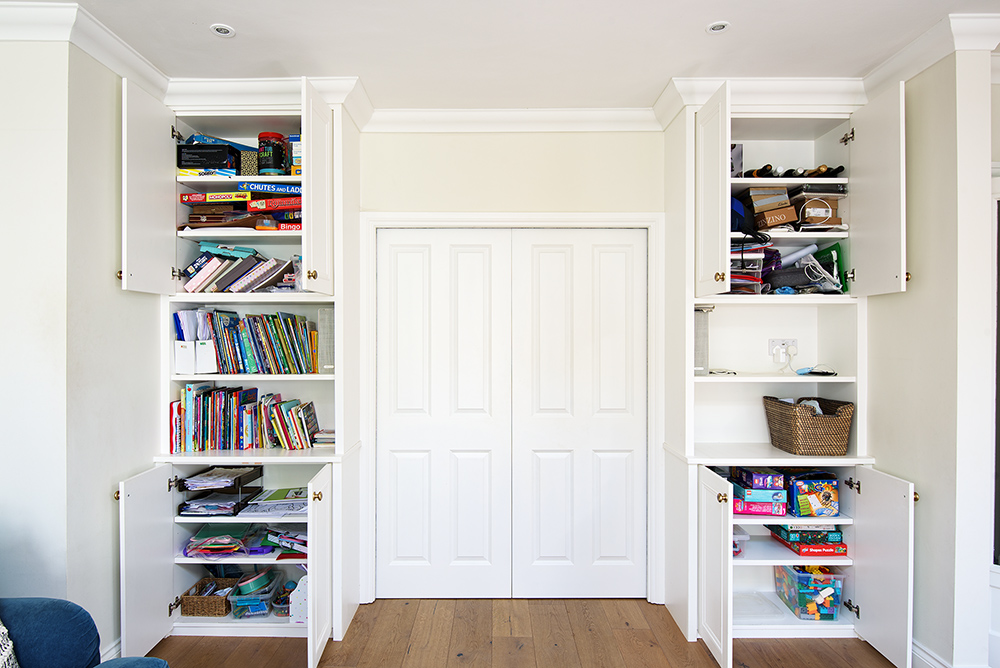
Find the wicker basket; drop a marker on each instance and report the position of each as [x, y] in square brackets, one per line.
[206, 606]
[796, 428]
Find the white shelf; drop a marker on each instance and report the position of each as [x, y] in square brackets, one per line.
[271, 559]
[291, 180]
[788, 625]
[234, 377]
[790, 520]
[740, 184]
[247, 626]
[764, 454]
[251, 298]
[244, 234]
[240, 519]
[766, 551]
[754, 377]
[757, 300]
[253, 456]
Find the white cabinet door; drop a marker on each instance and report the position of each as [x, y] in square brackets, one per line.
[146, 511]
[712, 196]
[320, 585]
[443, 419]
[317, 191]
[877, 194]
[883, 563]
[579, 413]
[149, 192]
[715, 565]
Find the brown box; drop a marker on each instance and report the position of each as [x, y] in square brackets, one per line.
[817, 209]
[781, 216]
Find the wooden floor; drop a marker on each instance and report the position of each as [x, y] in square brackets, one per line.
[523, 633]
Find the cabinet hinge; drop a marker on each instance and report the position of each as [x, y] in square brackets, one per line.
[704, 308]
[856, 609]
[174, 134]
[853, 484]
[850, 275]
[173, 606]
[848, 137]
[176, 273]
[173, 482]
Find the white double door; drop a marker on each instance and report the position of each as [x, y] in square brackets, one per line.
[511, 413]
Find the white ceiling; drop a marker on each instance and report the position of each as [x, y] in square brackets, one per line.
[469, 54]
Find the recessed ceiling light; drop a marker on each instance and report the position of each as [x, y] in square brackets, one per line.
[716, 27]
[222, 30]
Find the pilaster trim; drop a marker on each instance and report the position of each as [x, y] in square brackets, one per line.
[68, 22]
[513, 120]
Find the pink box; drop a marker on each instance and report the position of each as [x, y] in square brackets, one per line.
[741, 507]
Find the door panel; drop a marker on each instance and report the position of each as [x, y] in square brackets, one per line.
[712, 195]
[320, 583]
[715, 565]
[443, 414]
[579, 426]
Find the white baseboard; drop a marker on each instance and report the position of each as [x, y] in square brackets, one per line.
[113, 652]
[994, 649]
[924, 658]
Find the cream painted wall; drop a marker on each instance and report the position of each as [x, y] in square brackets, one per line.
[995, 135]
[516, 172]
[33, 395]
[931, 357]
[113, 350]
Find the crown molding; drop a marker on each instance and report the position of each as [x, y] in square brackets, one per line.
[513, 120]
[68, 22]
[348, 91]
[206, 95]
[955, 32]
[797, 96]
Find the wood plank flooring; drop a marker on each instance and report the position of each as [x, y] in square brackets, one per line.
[588, 633]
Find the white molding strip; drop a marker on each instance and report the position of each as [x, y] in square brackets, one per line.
[513, 120]
[349, 92]
[924, 658]
[377, 219]
[995, 69]
[956, 32]
[113, 652]
[68, 22]
[271, 94]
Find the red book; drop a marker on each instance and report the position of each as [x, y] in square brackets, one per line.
[808, 550]
[275, 204]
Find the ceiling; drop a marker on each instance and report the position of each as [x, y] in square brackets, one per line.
[474, 54]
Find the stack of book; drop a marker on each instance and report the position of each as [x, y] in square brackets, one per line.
[237, 269]
[234, 418]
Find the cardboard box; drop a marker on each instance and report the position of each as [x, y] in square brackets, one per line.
[758, 477]
[741, 507]
[782, 216]
[207, 156]
[816, 210]
[761, 495]
[248, 163]
[812, 494]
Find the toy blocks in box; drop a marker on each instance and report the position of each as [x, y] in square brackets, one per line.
[812, 493]
[809, 592]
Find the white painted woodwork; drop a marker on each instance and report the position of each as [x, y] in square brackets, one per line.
[579, 413]
[149, 196]
[883, 563]
[146, 514]
[712, 198]
[877, 194]
[443, 414]
[320, 584]
[715, 565]
[317, 198]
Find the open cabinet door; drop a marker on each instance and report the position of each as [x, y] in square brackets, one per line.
[712, 196]
[145, 509]
[317, 191]
[320, 583]
[149, 192]
[877, 192]
[715, 565]
[883, 564]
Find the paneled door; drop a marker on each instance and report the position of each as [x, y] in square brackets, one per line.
[442, 497]
[511, 413]
[579, 413]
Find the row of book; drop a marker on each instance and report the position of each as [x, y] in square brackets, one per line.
[277, 343]
[239, 269]
[207, 417]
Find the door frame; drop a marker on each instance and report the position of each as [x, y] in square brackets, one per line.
[654, 224]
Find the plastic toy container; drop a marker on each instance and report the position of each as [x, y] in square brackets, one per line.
[257, 604]
[808, 595]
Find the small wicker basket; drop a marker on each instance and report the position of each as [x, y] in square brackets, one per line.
[796, 428]
[193, 605]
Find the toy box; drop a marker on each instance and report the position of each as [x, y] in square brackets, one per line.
[795, 534]
[763, 495]
[812, 494]
[809, 595]
[210, 156]
[741, 507]
[758, 477]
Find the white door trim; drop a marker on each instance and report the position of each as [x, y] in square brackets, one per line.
[655, 224]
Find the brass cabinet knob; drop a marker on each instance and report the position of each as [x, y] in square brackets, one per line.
[916, 497]
[722, 497]
[311, 274]
[720, 276]
[117, 495]
[317, 496]
[908, 277]
[119, 274]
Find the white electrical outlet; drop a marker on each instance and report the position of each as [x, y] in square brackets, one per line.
[778, 349]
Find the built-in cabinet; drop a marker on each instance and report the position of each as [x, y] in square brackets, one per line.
[154, 571]
[712, 594]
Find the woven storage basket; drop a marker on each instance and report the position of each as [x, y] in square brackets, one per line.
[206, 606]
[796, 428]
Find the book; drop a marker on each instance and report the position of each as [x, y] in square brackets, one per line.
[272, 277]
[200, 198]
[201, 278]
[197, 264]
[236, 271]
[813, 550]
[274, 204]
[176, 428]
[243, 283]
[310, 425]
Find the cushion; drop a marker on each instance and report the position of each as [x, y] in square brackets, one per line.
[7, 658]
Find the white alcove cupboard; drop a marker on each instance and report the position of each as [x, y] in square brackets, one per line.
[154, 571]
[717, 420]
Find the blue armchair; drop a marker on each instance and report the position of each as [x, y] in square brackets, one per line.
[53, 633]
